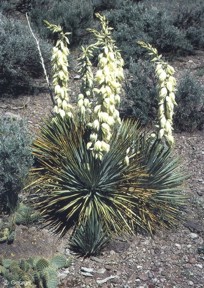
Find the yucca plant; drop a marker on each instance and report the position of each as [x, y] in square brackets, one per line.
[73, 184]
[102, 176]
[90, 238]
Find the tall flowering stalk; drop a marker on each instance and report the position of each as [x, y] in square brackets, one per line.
[107, 83]
[166, 94]
[60, 72]
[84, 103]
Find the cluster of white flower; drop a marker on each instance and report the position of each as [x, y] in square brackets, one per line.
[84, 103]
[167, 88]
[166, 94]
[60, 72]
[107, 84]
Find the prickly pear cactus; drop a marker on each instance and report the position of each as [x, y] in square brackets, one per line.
[7, 232]
[34, 272]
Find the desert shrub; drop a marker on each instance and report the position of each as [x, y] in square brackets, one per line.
[164, 34]
[161, 24]
[128, 24]
[19, 59]
[140, 88]
[15, 160]
[189, 18]
[73, 15]
[100, 5]
[189, 114]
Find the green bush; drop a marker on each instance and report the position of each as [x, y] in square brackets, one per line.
[128, 24]
[164, 34]
[73, 15]
[140, 88]
[190, 19]
[15, 160]
[169, 26]
[189, 114]
[19, 59]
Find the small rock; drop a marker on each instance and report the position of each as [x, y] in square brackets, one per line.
[108, 267]
[96, 259]
[200, 193]
[67, 251]
[155, 280]
[102, 281]
[101, 271]
[87, 270]
[63, 274]
[199, 266]
[191, 283]
[137, 281]
[87, 274]
[192, 260]
[178, 246]
[143, 277]
[194, 236]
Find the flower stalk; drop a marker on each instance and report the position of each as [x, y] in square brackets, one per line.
[107, 87]
[84, 103]
[60, 77]
[166, 94]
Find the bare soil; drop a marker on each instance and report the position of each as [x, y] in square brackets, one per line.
[169, 259]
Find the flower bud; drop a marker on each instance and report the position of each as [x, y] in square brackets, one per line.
[81, 96]
[110, 120]
[170, 70]
[88, 145]
[62, 113]
[96, 125]
[105, 146]
[86, 102]
[64, 105]
[163, 122]
[163, 92]
[168, 127]
[169, 86]
[97, 109]
[80, 103]
[93, 137]
[161, 133]
[83, 110]
[162, 76]
[105, 128]
[97, 146]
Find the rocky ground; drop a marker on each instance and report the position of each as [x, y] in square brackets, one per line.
[172, 258]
